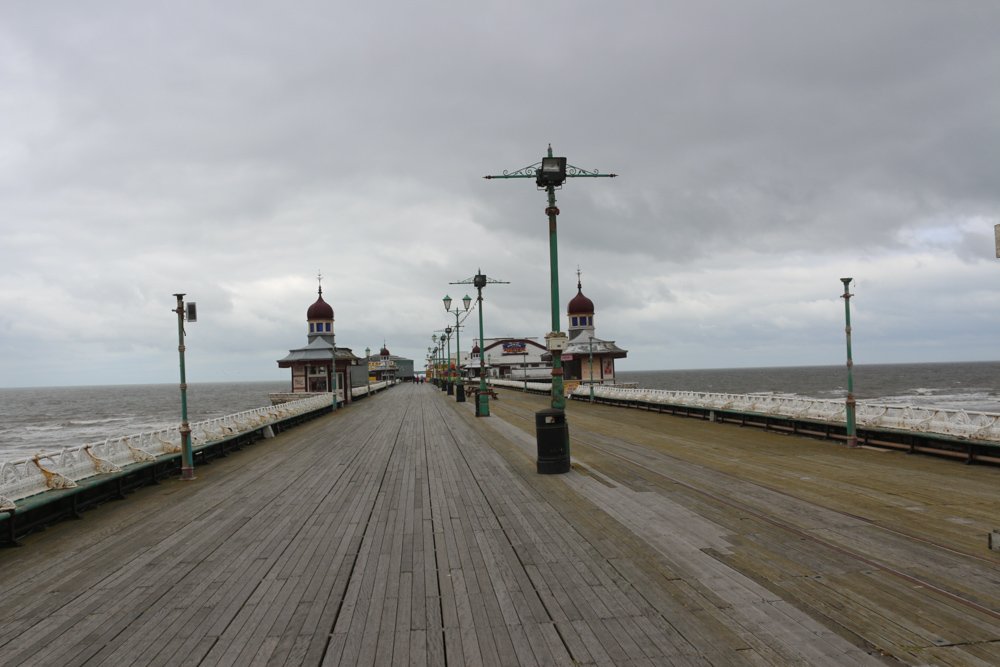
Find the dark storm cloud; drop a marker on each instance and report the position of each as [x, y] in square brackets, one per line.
[239, 147]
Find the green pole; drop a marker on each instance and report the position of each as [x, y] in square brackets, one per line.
[447, 368]
[484, 400]
[591, 368]
[187, 458]
[460, 388]
[558, 391]
[852, 427]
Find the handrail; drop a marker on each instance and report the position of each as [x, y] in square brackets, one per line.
[26, 477]
[944, 421]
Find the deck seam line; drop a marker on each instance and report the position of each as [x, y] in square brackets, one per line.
[541, 599]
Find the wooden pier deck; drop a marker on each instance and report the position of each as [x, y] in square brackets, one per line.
[403, 530]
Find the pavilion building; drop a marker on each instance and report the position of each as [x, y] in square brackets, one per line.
[314, 365]
[584, 345]
[386, 367]
[512, 359]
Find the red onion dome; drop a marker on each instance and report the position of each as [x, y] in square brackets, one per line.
[384, 352]
[580, 305]
[320, 310]
[475, 350]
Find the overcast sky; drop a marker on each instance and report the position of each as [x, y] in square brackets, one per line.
[232, 150]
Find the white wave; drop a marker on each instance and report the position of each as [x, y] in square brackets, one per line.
[87, 422]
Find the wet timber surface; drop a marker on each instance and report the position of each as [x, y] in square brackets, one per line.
[404, 530]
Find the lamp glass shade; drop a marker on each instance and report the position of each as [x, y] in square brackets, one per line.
[434, 337]
[447, 302]
[466, 300]
[552, 171]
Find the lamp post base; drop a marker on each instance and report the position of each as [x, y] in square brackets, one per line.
[482, 404]
[460, 393]
[187, 474]
[451, 388]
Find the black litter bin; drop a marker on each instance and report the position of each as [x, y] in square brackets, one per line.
[552, 433]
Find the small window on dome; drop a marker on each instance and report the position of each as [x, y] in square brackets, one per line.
[327, 326]
[590, 321]
[574, 321]
[312, 328]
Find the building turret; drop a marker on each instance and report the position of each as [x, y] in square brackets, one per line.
[587, 358]
[320, 318]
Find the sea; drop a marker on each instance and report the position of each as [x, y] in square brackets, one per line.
[47, 419]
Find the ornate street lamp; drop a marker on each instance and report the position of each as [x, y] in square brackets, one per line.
[460, 391]
[187, 457]
[524, 357]
[437, 376]
[852, 426]
[550, 174]
[447, 368]
[479, 281]
[442, 369]
[368, 370]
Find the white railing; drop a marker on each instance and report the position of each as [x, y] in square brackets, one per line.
[62, 470]
[536, 386]
[960, 423]
[364, 391]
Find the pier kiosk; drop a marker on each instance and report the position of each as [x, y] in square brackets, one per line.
[320, 367]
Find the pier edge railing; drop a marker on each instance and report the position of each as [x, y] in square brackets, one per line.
[48, 487]
[974, 436]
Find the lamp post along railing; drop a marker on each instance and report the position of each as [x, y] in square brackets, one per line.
[444, 345]
[479, 281]
[850, 406]
[447, 366]
[524, 360]
[187, 457]
[429, 371]
[437, 361]
[368, 371]
[592, 369]
[460, 386]
[550, 174]
[442, 369]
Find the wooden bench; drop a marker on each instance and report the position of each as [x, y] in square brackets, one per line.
[471, 391]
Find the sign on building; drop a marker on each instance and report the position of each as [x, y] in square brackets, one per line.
[514, 348]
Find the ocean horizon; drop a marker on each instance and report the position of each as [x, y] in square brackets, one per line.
[46, 419]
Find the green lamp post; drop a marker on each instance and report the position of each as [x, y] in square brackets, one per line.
[852, 424]
[437, 376]
[368, 370]
[479, 281]
[460, 389]
[442, 368]
[591, 369]
[550, 174]
[449, 381]
[187, 457]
